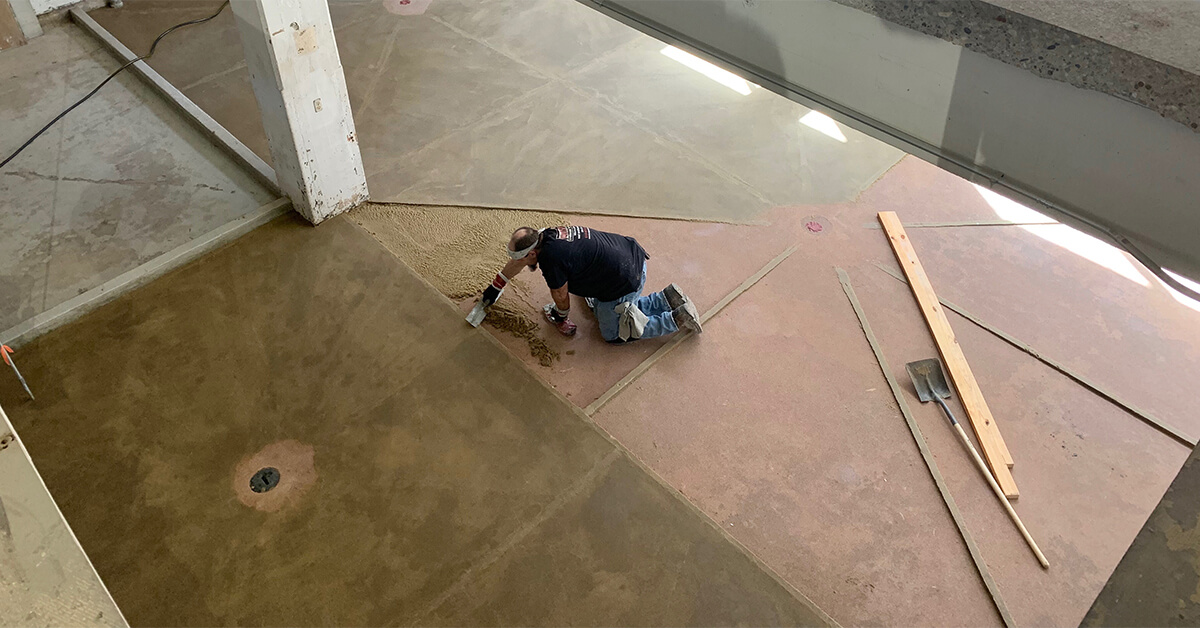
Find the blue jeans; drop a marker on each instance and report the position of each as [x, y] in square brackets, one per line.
[654, 306]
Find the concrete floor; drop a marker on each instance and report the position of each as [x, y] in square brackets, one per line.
[1157, 580]
[775, 423]
[1098, 322]
[571, 121]
[46, 578]
[1163, 30]
[437, 482]
[116, 183]
[805, 456]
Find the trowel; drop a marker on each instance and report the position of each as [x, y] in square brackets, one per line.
[5, 350]
[490, 295]
[477, 313]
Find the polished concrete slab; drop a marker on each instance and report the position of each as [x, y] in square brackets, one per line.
[818, 474]
[757, 137]
[45, 577]
[558, 150]
[1156, 582]
[1120, 329]
[707, 261]
[807, 457]
[584, 562]
[1059, 299]
[118, 182]
[413, 80]
[775, 423]
[427, 477]
[578, 38]
[583, 113]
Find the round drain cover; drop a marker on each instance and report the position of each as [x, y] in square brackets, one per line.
[264, 480]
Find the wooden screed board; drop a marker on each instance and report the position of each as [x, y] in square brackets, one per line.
[980, 417]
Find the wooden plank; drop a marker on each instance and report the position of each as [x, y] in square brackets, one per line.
[1179, 435]
[11, 34]
[978, 413]
[926, 454]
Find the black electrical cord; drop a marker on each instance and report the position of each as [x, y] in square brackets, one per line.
[110, 77]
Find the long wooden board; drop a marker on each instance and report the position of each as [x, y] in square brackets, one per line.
[980, 416]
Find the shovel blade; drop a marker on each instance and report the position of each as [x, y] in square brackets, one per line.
[928, 379]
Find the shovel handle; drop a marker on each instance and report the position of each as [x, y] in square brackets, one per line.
[1012, 514]
[946, 409]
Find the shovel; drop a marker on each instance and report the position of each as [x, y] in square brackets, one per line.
[930, 382]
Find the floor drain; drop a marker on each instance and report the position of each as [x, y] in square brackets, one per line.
[264, 480]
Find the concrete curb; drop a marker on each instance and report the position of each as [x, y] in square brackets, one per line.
[207, 125]
[72, 309]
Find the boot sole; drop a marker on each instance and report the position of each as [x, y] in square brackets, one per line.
[679, 296]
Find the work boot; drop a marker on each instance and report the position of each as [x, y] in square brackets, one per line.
[675, 297]
[686, 317]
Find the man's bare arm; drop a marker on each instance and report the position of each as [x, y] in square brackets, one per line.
[562, 298]
[513, 268]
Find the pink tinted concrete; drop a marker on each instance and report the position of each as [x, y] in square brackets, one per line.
[779, 425]
[921, 192]
[1089, 472]
[805, 453]
[1098, 322]
[707, 260]
[1135, 340]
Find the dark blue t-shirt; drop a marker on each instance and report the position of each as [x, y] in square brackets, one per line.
[597, 264]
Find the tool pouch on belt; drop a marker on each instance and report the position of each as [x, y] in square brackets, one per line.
[631, 323]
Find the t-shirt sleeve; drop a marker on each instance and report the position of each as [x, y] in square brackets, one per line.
[554, 273]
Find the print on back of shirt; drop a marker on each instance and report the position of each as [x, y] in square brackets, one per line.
[571, 234]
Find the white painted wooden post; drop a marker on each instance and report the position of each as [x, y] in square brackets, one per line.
[298, 81]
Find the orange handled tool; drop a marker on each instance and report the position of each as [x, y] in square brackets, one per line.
[5, 351]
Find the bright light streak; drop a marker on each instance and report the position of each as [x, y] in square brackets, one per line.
[1192, 303]
[724, 77]
[1079, 243]
[823, 123]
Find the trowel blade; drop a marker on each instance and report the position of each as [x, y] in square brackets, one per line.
[477, 314]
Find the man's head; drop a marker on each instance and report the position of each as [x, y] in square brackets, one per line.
[525, 240]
